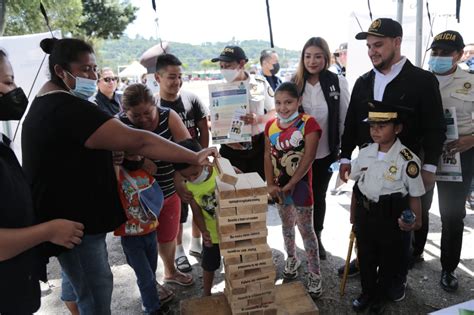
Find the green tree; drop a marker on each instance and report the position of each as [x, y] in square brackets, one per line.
[88, 19]
[106, 18]
[24, 16]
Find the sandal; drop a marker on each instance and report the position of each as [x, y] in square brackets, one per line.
[182, 264]
[195, 253]
[180, 278]
[166, 295]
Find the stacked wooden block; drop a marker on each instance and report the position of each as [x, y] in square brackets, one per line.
[241, 223]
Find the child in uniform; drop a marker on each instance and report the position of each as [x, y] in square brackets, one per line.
[388, 181]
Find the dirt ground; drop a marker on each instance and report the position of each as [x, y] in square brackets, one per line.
[424, 294]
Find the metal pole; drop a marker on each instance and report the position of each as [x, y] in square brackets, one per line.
[419, 32]
[400, 11]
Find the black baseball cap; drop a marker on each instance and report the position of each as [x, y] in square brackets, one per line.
[382, 27]
[448, 40]
[231, 53]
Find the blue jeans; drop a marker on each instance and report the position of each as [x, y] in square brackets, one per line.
[142, 255]
[87, 273]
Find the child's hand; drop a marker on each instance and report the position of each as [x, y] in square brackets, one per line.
[407, 227]
[273, 190]
[206, 238]
[288, 188]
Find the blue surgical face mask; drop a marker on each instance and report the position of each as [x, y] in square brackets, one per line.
[85, 88]
[440, 65]
[202, 177]
[287, 120]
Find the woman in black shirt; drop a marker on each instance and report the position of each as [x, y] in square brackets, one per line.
[20, 265]
[67, 143]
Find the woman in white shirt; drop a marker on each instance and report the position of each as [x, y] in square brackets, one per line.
[326, 98]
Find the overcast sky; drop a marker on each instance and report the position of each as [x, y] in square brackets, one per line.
[198, 21]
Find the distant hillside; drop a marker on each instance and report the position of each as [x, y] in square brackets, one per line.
[119, 52]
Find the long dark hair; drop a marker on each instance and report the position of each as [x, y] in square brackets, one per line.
[62, 52]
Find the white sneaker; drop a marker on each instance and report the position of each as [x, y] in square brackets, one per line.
[291, 267]
[314, 285]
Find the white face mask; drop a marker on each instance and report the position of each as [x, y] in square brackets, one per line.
[230, 74]
[202, 177]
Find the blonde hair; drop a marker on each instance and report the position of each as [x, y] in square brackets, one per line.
[301, 72]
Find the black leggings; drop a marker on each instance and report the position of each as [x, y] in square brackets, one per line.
[321, 177]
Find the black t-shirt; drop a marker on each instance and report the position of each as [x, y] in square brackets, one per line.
[189, 108]
[69, 180]
[19, 276]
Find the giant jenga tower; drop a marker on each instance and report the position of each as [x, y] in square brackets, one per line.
[241, 223]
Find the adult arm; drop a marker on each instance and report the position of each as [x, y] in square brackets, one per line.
[115, 136]
[203, 128]
[345, 97]
[177, 127]
[61, 232]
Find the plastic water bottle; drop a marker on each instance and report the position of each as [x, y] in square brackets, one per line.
[408, 216]
[334, 167]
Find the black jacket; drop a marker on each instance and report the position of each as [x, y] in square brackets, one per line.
[332, 94]
[424, 127]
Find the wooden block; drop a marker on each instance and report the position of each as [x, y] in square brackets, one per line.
[258, 184]
[248, 289]
[248, 265]
[241, 235]
[249, 258]
[241, 218]
[261, 208]
[244, 247]
[290, 299]
[265, 274]
[224, 191]
[244, 210]
[240, 228]
[243, 187]
[226, 171]
[226, 212]
[229, 202]
[265, 255]
[253, 308]
[240, 274]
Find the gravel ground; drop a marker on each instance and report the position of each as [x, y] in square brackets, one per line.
[424, 294]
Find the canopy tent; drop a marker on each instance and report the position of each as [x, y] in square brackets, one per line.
[135, 69]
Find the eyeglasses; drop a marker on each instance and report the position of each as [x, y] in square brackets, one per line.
[110, 79]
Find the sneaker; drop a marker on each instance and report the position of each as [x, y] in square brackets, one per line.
[291, 267]
[314, 285]
[353, 269]
[164, 310]
[397, 292]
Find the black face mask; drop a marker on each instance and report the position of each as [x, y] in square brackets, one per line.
[275, 69]
[13, 105]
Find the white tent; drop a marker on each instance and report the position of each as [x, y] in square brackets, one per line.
[135, 69]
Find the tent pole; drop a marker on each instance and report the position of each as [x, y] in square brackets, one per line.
[419, 32]
[400, 11]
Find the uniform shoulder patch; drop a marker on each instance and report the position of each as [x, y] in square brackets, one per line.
[413, 169]
[406, 154]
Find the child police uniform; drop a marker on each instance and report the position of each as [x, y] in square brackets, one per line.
[383, 184]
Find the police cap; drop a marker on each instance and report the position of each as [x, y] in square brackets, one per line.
[448, 40]
[231, 53]
[382, 27]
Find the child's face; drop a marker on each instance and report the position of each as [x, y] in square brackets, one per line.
[286, 104]
[192, 172]
[385, 132]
